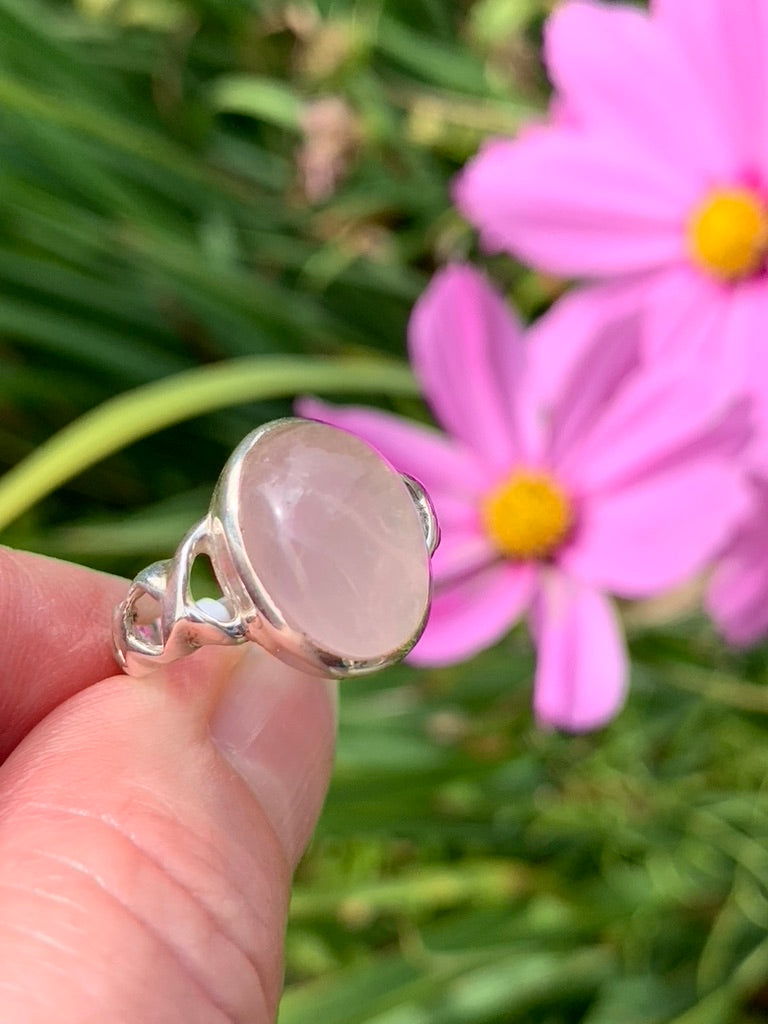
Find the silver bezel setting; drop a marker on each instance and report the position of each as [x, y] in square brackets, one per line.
[247, 612]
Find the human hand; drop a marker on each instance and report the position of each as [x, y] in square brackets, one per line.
[148, 829]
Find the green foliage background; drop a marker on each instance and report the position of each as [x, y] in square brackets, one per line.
[469, 869]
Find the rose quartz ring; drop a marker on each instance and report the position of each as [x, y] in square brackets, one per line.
[320, 548]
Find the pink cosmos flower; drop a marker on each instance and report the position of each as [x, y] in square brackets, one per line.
[565, 473]
[653, 169]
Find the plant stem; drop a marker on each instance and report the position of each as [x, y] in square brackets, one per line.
[136, 414]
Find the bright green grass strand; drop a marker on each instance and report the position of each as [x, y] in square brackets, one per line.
[427, 888]
[262, 98]
[127, 418]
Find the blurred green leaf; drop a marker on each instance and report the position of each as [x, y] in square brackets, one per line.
[258, 97]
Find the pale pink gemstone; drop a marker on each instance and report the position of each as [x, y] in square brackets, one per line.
[335, 539]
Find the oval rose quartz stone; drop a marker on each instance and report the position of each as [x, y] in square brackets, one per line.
[334, 537]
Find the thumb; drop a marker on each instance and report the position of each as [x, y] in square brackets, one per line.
[148, 833]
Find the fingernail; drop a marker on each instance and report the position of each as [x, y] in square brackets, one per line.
[276, 727]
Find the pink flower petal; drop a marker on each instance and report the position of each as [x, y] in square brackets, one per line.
[558, 341]
[577, 205]
[693, 321]
[661, 416]
[745, 336]
[468, 352]
[647, 537]
[582, 353]
[463, 550]
[720, 331]
[737, 597]
[727, 48]
[451, 474]
[622, 74]
[686, 312]
[474, 613]
[582, 668]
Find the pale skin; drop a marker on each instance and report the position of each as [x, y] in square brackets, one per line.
[144, 875]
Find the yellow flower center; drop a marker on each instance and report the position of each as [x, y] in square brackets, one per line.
[728, 233]
[527, 516]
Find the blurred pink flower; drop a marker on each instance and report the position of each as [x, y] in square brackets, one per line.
[653, 169]
[566, 473]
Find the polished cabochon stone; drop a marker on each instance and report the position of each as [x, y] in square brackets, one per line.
[333, 535]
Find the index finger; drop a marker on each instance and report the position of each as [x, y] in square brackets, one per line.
[55, 621]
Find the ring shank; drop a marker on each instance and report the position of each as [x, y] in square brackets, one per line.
[181, 625]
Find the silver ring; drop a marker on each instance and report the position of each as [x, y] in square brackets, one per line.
[321, 551]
